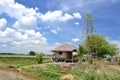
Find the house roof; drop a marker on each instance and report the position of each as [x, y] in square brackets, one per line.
[65, 47]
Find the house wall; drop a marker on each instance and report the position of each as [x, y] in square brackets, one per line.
[66, 55]
[69, 55]
[56, 54]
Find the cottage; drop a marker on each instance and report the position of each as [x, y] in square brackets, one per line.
[64, 52]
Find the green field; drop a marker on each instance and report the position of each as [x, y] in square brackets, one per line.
[98, 70]
[20, 60]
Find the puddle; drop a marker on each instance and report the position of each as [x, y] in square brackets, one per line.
[9, 75]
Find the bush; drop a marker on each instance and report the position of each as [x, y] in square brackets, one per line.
[40, 58]
[90, 60]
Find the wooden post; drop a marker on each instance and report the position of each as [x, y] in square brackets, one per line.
[72, 57]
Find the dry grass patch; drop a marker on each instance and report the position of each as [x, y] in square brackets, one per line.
[67, 77]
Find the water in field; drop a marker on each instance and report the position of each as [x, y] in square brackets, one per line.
[8, 75]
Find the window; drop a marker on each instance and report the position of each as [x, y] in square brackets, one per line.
[60, 53]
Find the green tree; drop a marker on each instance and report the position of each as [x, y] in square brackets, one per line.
[81, 51]
[31, 53]
[88, 29]
[98, 44]
[89, 25]
[112, 49]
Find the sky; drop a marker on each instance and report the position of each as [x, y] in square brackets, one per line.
[41, 25]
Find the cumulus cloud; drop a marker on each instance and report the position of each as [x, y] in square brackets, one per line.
[21, 36]
[29, 38]
[75, 40]
[26, 23]
[3, 22]
[15, 10]
[26, 17]
[10, 34]
[58, 15]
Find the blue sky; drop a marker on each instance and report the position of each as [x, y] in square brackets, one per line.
[41, 25]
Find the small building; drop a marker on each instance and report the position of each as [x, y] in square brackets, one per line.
[64, 52]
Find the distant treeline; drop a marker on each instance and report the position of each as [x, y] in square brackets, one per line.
[10, 54]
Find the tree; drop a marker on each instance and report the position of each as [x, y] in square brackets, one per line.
[32, 53]
[81, 51]
[112, 49]
[89, 25]
[98, 44]
[88, 29]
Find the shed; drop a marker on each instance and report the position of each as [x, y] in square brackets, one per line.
[64, 52]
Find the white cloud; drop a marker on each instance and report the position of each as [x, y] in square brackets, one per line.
[51, 16]
[30, 37]
[26, 23]
[66, 17]
[54, 31]
[21, 36]
[77, 15]
[3, 22]
[15, 10]
[58, 15]
[26, 17]
[77, 23]
[22, 42]
[75, 40]
[10, 34]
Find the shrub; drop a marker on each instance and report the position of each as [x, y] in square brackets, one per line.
[90, 60]
[40, 58]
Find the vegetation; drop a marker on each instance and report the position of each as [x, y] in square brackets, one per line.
[89, 25]
[99, 70]
[89, 70]
[32, 53]
[40, 58]
[20, 60]
[99, 45]
[95, 43]
[81, 51]
[88, 29]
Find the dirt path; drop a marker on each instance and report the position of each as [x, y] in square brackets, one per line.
[114, 67]
[9, 75]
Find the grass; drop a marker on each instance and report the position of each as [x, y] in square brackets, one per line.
[20, 60]
[82, 72]
[98, 70]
